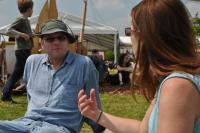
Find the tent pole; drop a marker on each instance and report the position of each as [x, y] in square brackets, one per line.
[115, 47]
[81, 37]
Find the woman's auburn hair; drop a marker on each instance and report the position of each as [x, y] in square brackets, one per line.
[166, 43]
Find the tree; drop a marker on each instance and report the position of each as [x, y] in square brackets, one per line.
[109, 55]
[196, 26]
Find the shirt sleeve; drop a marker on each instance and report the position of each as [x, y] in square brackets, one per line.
[93, 82]
[13, 31]
[26, 71]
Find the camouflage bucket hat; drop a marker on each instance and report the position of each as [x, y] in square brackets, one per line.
[53, 26]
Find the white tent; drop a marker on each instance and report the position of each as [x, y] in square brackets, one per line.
[125, 44]
[194, 8]
[125, 40]
[97, 35]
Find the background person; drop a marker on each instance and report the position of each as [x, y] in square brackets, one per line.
[21, 30]
[3, 65]
[168, 72]
[125, 68]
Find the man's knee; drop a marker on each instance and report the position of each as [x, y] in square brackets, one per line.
[5, 127]
[49, 129]
[12, 127]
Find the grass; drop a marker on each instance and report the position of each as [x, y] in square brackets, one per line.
[10, 111]
[117, 104]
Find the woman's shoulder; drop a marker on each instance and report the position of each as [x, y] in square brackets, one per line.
[177, 82]
[192, 78]
[179, 79]
[179, 88]
[177, 101]
[180, 97]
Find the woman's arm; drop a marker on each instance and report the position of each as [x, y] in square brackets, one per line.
[14, 32]
[124, 125]
[128, 69]
[89, 109]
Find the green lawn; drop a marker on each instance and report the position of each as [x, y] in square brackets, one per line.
[117, 104]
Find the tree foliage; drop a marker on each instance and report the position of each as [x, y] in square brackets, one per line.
[196, 25]
[109, 55]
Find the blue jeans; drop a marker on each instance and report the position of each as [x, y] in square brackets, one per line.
[30, 126]
[21, 56]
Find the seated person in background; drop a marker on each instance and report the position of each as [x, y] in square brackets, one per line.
[99, 64]
[113, 74]
[125, 68]
[53, 81]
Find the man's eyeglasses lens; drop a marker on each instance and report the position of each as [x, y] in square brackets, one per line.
[53, 38]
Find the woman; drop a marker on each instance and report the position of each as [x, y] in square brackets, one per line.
[125, 68]
[167, 67]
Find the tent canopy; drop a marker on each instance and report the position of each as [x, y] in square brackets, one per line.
[125, 40]
[96, 33]
[194, 8]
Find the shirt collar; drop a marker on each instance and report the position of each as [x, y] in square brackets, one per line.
[68, 60]
[70, 57]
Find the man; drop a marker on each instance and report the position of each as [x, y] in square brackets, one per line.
[53, 81]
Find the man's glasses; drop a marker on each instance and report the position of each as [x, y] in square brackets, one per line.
[51, 39]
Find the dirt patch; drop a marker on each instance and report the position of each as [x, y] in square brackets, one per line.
[107, 88]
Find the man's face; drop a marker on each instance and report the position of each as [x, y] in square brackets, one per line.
[55, 44]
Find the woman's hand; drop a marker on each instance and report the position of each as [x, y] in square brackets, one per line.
[88, 106]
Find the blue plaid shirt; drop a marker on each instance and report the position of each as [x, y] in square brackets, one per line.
[53, 94]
